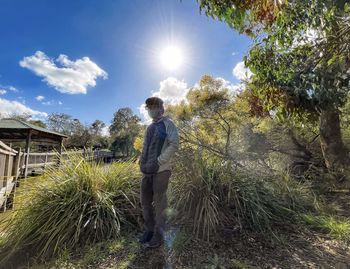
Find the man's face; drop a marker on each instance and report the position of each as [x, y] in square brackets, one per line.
[152, 107]
[154, 111]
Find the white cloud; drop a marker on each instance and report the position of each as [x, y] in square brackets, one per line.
[8, 108]
[105, 131]
[40, 98]
[2, 91]
[172, 91]
[241, 72]
[72, 77]
[8, 88]
[13, 89]
[47, 103]
[146, 118]
[233, 89]
[237, 89]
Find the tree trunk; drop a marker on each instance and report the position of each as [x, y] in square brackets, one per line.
[334, 151]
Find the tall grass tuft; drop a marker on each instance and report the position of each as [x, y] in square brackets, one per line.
[76, 204]
[337, 227]
[122, 180]
[209, 194]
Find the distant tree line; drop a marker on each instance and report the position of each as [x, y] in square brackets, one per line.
[118, 137]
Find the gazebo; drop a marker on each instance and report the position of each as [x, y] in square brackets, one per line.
[15, 130]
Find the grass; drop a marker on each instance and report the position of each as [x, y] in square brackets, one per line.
[208, 195]
[84, 212]
[336, 227]
[77, 204]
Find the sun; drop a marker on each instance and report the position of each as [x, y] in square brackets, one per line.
[171, 57]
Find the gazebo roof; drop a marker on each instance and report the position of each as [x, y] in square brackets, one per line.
[14, 129]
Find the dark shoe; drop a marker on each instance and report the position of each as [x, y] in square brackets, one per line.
[156, 241]
[146, 237]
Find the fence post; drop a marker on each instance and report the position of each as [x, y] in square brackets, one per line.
[16, 171]
[45, 161]
[27, 153]
[16, 164]
[6, 178]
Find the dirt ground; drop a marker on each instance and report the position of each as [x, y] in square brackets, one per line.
[296, 249]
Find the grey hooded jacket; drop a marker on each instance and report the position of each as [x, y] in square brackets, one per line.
[160, 144]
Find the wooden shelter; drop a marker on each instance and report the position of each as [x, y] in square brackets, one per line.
[14, 131]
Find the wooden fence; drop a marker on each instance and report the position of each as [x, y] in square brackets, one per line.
[15, 164]
[38, 162]
[9, 172]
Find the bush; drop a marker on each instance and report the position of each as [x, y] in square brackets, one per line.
[209, 194]
[76, 204]
[122, 180]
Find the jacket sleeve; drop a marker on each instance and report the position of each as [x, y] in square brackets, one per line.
[173, 140]
[144, 147]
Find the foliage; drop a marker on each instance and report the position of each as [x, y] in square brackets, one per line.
[302, 53]
[215, 263]
[245, 16]
[60, 122]
[209, 194]
[208, 118]
[38, 123]
[138, 143]
[74, 205]
[297, 56]
[300, 62]
[79, 135]
[338, 228]
[122, 181]
[124, 129]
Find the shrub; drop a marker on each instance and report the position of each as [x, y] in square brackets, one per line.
[122, 180]
[73, 205]
[209, 194]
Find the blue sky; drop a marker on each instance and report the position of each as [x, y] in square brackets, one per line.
[112, 53]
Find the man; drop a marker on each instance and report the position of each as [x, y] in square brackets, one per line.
[160, 144]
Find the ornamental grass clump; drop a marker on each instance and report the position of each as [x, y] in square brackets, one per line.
[209, 194]
[122, 180]
[72, 205]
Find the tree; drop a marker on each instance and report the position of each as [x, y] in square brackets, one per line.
[26, 118]
[301, 52]
[60, 122]
[22, 116]
[245, 16]
[38, 123]
[79, 135]
[124, 129]
[97, 127]
[96, 131]
[208, 118]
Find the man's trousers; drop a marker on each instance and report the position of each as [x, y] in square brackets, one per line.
[154, 200]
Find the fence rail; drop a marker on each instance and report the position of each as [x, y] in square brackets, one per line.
[38, 162]
[9, 173]
[15, 164]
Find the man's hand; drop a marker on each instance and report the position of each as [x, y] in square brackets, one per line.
[150, 167]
